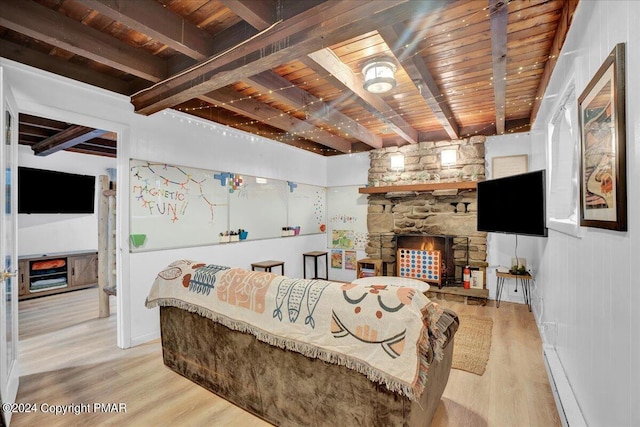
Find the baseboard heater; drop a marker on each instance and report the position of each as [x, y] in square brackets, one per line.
[568, 409]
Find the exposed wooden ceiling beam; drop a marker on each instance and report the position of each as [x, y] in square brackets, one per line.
[152, 19]
[239, 33]
[499, 12]
[258, 13]
[231, 119]
[518, 125]
[41, 122]
[101, 142]
[433, 135]
[309, 31]
[96, 151]
[272, 83]
[568, 10]
[69, 137]
[44, 24]
[30, 130]
[417, 70]
[477, 129]
[28, 140]
[228, 99]
[61, 67]
[342, 77]
[261, 14]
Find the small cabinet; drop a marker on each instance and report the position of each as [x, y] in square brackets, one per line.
[368, 267]
[56, 273]
[83, 270]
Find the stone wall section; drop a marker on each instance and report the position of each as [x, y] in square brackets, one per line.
[440, 212]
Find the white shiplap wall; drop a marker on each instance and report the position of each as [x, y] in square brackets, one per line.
[588, 289]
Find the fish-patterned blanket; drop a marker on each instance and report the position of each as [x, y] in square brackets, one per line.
[383, 332]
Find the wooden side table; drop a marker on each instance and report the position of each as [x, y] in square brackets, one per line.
[268, 265]
[315, 255]
[524, 279]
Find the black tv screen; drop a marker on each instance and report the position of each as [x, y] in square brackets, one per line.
[514, 204]
[51, 192]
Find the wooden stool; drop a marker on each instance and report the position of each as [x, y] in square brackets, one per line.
[315, 255]
[268, 265]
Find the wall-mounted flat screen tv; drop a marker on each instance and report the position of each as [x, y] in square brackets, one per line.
[513, 204]
[43, 191]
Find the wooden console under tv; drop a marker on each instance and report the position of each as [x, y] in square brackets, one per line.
[80, 270]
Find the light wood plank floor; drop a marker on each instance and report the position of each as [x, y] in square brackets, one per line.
[69, 357]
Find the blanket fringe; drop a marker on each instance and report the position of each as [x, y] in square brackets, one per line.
[391, 383]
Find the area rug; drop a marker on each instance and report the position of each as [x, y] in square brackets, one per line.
[472, 344]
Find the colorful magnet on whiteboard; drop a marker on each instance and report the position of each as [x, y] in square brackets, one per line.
[222, 177]
[292, 186]
[235, 182]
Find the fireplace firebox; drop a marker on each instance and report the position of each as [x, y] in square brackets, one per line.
[432, 258]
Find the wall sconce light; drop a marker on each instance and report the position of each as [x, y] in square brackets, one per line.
[448, 157]
[397, 162]
[379, 75]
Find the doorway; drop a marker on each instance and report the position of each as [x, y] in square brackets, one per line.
[55, 325]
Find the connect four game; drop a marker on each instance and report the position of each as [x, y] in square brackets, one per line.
[419, 264]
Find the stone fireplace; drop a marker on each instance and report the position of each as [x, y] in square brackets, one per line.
[406, 219]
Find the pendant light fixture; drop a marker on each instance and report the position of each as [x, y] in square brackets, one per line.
[379, 75]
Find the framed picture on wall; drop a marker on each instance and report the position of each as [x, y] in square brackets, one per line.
[336, 258]
[350, 260]
[601, 108]
[509, 165]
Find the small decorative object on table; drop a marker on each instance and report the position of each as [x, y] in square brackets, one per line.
[518, 265]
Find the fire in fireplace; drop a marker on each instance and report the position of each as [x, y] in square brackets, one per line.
[430, 258]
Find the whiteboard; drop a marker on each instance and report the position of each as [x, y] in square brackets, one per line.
[307, 207]
[175, 206]
[259, 208]
[346, 218]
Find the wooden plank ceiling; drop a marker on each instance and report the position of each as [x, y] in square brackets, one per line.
[291, 70]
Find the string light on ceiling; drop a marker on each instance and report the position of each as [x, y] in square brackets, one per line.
[374, 69]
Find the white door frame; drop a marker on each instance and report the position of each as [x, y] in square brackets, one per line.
[123, 314]
[9, 363]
